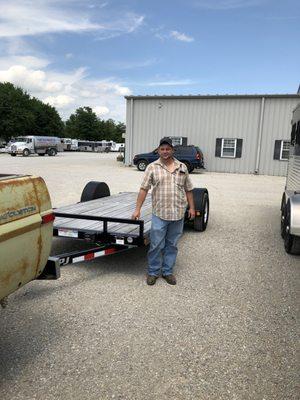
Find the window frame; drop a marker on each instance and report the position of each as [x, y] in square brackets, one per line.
[281, 150]
[222, 148]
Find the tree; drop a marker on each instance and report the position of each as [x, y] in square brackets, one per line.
[22, 115]
[83, 124]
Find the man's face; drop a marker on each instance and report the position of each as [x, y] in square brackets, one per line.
[165, 151]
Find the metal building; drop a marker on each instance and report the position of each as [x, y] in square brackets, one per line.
[237, 133]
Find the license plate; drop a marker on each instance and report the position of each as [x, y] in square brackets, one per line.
[68, 233]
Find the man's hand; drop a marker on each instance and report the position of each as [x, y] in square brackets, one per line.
[136, 214]
[191, 213]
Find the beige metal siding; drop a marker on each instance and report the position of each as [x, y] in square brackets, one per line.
[276, 126]
[203, 120]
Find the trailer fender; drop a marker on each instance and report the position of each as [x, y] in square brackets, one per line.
[295, 214]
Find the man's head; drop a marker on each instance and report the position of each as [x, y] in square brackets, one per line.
[165, 149]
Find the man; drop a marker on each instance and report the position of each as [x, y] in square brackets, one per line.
[171, 190]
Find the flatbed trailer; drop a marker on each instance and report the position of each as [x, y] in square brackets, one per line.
[104, 220]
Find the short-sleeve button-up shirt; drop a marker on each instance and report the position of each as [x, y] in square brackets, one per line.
[168, 189]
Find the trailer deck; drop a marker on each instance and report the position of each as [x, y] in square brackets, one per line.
[105, 218]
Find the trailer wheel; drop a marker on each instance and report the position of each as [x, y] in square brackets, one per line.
[51, 152]
[142, 165]
[13, 154]
[282, 221]
[94, 190]
[288, 238]
[26, 153]
[201, 201]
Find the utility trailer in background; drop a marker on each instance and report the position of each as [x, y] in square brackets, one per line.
[104, 221]
[290, 204]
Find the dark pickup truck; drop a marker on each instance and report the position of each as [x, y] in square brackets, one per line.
[191, 156]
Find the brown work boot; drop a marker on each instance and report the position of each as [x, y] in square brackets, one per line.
[151, 279]
[170, 279]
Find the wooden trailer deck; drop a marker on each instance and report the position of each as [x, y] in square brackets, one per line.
[119, 206]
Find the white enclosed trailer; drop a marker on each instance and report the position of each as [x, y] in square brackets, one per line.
[290, 204]
[41, 145]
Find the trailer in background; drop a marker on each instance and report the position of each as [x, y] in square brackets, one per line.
[290, 204]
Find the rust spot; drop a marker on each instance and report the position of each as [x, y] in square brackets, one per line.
[6, 279]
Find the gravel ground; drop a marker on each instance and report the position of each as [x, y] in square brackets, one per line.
[228, 330]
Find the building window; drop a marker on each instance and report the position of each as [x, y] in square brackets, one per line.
[281, 150]
[228, 148]
[285, 150]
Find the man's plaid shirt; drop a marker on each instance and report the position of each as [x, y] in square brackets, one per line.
[168, 189]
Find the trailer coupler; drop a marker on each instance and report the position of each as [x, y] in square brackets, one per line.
[85, 255]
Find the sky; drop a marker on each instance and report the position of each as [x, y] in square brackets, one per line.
[76, 53]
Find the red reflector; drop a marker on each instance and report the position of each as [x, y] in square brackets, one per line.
[110, 251]
[48, 218]
[89, 256]
[198, 157]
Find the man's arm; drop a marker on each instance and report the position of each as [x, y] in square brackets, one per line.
[139, 202]
[190, 200]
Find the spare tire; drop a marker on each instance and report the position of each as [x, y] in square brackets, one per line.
[201, 201]
[94, 190]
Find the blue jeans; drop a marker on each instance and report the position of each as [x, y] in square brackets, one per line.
[164, 236]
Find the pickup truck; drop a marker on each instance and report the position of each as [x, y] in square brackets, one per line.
[26, 230]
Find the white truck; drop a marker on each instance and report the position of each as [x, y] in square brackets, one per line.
[41, 145]
[290, 203]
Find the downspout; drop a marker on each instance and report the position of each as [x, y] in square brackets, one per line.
[131, 132]
[260, 130]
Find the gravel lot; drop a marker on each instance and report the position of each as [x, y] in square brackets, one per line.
[228, 330]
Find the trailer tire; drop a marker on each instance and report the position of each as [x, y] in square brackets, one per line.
[26, 153]
[51, 152]
[288, 238]
[282, 221]
[94, 190]
[13, 154]
[201, 201]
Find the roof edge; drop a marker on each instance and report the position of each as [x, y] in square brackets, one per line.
[214, 96]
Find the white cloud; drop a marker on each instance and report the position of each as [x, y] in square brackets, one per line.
[101, 110]
[60, 101]
[29, 79]
[69, 55]
[181, 36]
[70, 90]
[227, 4]
[29, 17]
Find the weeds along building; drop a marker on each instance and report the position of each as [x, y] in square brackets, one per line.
[237, 133]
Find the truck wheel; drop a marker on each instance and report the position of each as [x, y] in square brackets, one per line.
[26, 153]
[288, 238]
[189, 166]
[51, 152]
[94, 190]
[142, 165]
[201, 201]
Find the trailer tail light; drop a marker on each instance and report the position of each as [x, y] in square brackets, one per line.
[48, 218]
[198, 156]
